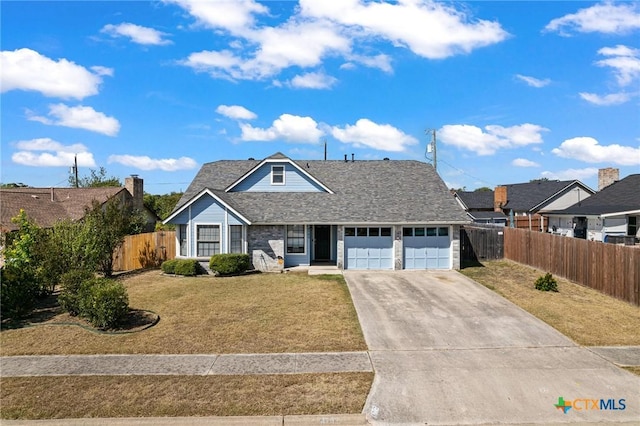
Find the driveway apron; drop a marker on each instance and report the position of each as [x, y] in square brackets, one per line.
[446, 350]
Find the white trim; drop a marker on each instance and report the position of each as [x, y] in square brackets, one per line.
[286, 238]
[284, 175]
[628, 212]
[278, 160]
[566, 188]
[195, 236]
[198, 196]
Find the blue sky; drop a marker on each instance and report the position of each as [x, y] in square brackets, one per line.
[515, 90]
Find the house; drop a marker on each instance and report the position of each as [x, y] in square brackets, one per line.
[479, 207]
[385, 214]
[47, 206]
[612, 212]
[527, 202]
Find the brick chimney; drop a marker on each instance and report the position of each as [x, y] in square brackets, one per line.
[499, 198]
[135, 186]
[607, 176]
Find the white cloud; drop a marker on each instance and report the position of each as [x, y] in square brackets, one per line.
[496, 137]
[624, 61]
[430, 29]
[607, 18]
[147, 163]
[365, 132]
[55, 154]
[26, 69]
[606, 100]
[234, 16]
[590, 151]
[236, 112]
[381, 61]
[137, 33]
[533, 82]
[290, 128]
[571, 174]
[100, 70]
[313, 80]
[79, 117]
[523, 162]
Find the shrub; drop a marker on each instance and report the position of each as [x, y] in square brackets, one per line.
[71, 283]
[18, 291]
[104, 302]
[169, 266]
[547, 283]
[187, 267]
[232, 263]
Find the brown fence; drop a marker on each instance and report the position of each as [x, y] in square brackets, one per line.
[609, 268]
[526, 222]
[481, 243]
[145, 250]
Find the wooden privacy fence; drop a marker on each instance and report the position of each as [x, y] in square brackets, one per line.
[145, 250]
[609, 268]
[481, 243]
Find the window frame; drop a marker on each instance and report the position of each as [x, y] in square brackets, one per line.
[274, 174]
[304, 240]
[634, 226]
[230, 238]
[197, 248]
[179, 236]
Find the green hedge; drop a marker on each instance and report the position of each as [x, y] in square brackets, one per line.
[71, 283]
[104, 302]
[228, 264]
[186, 267]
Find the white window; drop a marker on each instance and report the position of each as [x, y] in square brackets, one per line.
[296, 240]
[208, 237]
[182, 238]
[235, 239]
[277, 175]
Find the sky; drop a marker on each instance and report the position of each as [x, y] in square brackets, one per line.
[514, 90]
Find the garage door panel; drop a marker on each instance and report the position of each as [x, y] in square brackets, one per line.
[426, 251]
[370, 252]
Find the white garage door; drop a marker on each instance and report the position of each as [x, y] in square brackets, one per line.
[426, 248]
[368, 248]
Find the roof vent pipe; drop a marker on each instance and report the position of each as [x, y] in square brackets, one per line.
[345, 158]
[353, 157]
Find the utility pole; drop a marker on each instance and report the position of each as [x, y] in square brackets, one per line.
[325, 150]
[432, 149]
[75, 168]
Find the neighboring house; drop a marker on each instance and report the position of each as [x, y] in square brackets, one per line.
[47, 206]
[479, 207]
[614, 211]
[533, 199]
[383, 214]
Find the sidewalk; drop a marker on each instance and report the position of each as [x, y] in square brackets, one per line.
[188, 365]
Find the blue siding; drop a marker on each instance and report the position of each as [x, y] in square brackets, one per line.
[260, 181]
[206, 211]
[299, 259]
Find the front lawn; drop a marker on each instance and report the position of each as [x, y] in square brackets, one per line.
[261, 313]
[587, 316]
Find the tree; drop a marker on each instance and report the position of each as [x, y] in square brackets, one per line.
[96, 178]
[13, 185]
[483, 189]
[544, 179]
[162, 205]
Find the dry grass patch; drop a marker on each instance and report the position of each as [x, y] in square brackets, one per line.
[262, 313]
[585, 315]
[160, 396]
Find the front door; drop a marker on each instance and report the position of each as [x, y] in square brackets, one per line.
[322, 242]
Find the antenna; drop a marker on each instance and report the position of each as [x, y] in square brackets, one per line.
[325, 150]
[75, 168]
[432, 149]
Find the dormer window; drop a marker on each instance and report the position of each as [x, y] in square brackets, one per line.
[277, 175]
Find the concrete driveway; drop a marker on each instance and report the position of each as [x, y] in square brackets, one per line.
[446, 350]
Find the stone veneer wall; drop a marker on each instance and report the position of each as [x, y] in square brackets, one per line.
[340, 247]
[398, 251]
[266, 247]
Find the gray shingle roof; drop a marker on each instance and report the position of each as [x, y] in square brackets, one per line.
[620, 196]
[385, 191]
[524, 197]
[477, 200]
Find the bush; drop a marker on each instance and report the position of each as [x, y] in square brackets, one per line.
[169, 266]
[18, 291]
[187, 267]
[226, 264]
[104, 302]
[71, 283]
[547, 283]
